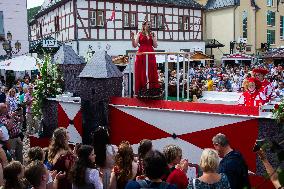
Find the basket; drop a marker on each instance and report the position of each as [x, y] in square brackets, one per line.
[156, 93]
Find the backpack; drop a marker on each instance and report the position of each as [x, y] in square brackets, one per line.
[147, 185]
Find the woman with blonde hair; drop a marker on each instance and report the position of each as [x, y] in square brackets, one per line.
[125, 168]
[147, 41]
[60, 156]
[209, 163]
[11, 100]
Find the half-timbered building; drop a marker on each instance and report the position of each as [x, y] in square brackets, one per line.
[92, 24]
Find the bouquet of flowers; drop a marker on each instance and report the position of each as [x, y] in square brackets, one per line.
[278, 112]
[48, 84]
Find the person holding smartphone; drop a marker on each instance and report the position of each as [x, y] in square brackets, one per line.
[146, 40]
[269, 169]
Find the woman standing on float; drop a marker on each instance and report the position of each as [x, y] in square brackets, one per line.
[147, 41]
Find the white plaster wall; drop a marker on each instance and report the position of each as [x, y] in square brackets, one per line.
[15, 21]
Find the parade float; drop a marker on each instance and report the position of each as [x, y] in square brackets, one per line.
[190, 125]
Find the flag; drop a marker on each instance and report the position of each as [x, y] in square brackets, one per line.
[112, 18]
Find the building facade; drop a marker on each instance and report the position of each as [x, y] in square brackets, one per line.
[92, 24]
[252, 22]
[13, 18]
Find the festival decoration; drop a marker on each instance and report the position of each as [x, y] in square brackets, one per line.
[48, 84]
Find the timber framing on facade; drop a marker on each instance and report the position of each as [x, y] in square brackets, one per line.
[100, 20]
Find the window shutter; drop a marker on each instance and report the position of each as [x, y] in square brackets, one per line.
[2, 32]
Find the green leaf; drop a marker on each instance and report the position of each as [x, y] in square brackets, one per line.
[281, 177]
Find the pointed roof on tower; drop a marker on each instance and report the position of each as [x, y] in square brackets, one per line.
[100, 66]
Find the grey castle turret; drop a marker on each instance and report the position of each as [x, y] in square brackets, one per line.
[70, 65]
[99, 80]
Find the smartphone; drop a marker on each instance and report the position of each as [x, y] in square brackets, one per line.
[258, 144]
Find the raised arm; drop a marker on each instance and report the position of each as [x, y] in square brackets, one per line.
[135, 40]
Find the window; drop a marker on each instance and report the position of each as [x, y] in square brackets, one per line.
[93, 16]
[180, 23]
[160, 21]
[245, 24]
[97, 18]
[126, 19]
[186, 23]
[2, 32]
[271, 37]
[130, 19]
[56, 24]
[40, 30]
[270, 3]
[133, 18]
[153, 21]
[282, 27]
[270, 18]
[100, 20]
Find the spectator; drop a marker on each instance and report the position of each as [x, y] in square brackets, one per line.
[125, 168]
[269, 169]
[60, 156]
[84, 173]
[2, 95]
[155, 166]
[31, 122]
[209, 163]
[177, 167]
[232, 164]
[144, 147]
[13, 175]
[11, 100]
[105, 153]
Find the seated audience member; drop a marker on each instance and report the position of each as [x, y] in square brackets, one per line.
[155, 166]
[177, 167]
[84, 173]
[209, 162]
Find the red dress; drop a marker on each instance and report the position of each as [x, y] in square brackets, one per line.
[255, 98]
[146, 45]
[267, 89]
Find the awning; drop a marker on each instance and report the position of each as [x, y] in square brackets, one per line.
[274, 54]
[20, 63]
[237, 56]
[199, 56]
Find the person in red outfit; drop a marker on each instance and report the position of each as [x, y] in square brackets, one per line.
[177, 168]
[252, 96]
[266, 86]
[147, 41]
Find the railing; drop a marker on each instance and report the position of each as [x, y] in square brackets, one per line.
[131, 73]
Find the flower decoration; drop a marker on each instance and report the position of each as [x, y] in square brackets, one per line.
[48, 84]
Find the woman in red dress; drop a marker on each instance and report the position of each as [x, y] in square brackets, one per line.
[147, 41]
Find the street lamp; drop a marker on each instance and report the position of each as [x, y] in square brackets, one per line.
[8, 47]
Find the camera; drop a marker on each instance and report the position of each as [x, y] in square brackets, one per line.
[258, 144]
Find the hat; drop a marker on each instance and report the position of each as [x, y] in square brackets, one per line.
[255, 81]
[260, 70]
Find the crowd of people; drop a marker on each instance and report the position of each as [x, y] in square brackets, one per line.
[102, 165]
[225, 79]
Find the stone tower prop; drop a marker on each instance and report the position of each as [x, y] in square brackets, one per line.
[70, 66]
[99, 80]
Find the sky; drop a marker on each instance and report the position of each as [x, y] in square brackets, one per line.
[34, 3]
